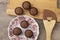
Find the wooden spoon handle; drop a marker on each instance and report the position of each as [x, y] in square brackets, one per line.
[48, 35]
[49, 27]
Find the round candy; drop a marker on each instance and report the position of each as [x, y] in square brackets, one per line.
[33, 11]
[28, 33]
[18, 10]
[24, 24]
[17, 31]
[26, 5]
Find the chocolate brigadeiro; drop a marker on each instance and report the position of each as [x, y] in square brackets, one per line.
[24, 24]
[17, 31]
[33, 11]
[28, 33]
[18, 10]
[49, 13]
[26, 5]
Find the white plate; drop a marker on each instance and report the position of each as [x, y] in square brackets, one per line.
[33, 25]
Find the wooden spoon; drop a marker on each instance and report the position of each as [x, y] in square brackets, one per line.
[49, 25]
[49, 22]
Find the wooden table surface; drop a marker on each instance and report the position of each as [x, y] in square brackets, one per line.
[5, 19]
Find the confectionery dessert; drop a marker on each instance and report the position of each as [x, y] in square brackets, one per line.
[28, 33]
[48, 13]
[17, 31]
[26, 5]
[24, 24]
[18, 10]
[33, 11]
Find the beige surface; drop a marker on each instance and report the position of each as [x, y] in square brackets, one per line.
[40, 4]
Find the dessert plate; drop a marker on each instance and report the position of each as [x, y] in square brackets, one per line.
[33, 25]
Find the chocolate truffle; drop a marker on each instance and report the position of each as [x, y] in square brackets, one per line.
[17, 31]
[33, 11]
[18, 10]
[28, 33]
[26, 5]
[24, 24]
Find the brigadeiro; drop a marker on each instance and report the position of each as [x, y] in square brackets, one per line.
[17, 31]
[24, 24]
[28, 33]
[18, 10]
[33, 11]
[26, 5]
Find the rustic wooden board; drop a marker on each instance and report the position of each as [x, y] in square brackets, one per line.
[40, 4]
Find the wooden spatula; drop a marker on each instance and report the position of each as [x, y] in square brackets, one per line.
[49, 22]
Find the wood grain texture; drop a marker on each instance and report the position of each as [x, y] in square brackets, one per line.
[40, 4]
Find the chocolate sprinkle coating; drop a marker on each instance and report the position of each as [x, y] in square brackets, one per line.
[33, 11]
[28, 33]
[18, 10]
[17, 31]
[24, 24]
[26, 5]
[49, 13]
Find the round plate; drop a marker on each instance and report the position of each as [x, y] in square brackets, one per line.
[33, 25]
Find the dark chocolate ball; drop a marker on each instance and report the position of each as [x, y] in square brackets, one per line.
[26, 5]
[33, 11]
[24, 24]
[18, 10]
[17, 31]
[28, 33]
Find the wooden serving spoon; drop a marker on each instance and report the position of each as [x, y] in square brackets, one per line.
[49, 23]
